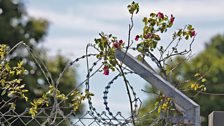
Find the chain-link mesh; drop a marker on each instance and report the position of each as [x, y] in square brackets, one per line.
[59, 114]
[11, 117]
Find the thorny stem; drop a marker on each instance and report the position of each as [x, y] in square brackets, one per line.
[171, 54]
[213, 94]
[129, 31]
[129, 35]
[87, 65]
[122, 72]
[128, 92]
[166, 49]
[154, 59]
[180, 53]
[161, 57]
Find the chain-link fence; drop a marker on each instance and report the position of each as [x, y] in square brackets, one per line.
[54, 108]
[45, 117]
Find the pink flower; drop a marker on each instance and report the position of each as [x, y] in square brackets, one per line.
[193, 33]
[136, 37]
[160, 15]
[172, 18]
[120, 42]
[116, 45]
[106, 70]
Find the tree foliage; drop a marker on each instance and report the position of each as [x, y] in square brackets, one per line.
[16, 26]
[207, 64]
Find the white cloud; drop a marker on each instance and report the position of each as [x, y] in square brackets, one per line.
[65, 20]
[94, 19]
[196, 10]
[106, 11]
[67, 45]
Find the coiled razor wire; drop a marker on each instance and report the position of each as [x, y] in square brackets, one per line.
[92, 117]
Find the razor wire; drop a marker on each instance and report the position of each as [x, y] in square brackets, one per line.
[59, 115]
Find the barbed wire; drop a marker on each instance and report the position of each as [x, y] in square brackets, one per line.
[54, 115]
[59, 114]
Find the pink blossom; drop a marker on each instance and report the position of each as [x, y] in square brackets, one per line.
[160, 15]
[136, 37]
[120, 42]
[116, 45]
[172, 18]
[106, 70]
[193, 33]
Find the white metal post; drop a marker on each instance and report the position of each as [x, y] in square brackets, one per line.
[190, 109]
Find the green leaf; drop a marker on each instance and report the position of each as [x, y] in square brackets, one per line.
[197, 74]
[145, 20]
[152, 14]
[20, 64]
[139, 58]
[203, 80]
[3, 92]
[133, 7]
[179, 32]
[12, 106]
[189, 27]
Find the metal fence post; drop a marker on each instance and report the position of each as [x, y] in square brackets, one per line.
[190, 109]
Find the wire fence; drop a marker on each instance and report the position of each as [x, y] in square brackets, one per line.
[11, 117]
[60, 114]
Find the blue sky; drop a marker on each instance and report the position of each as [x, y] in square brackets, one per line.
[74, 23]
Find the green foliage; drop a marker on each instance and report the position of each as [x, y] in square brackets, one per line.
[31, 31]
[107, 45]
[78, 98]
[15, 29]
[199, 85]
[3, 52]
[12, 87]
[202, 73]
[37, 103]
[11, 77]
[209, 64]
[148, 41]
[133, 8]
[52, 92]
[150, 37]
[63, 92]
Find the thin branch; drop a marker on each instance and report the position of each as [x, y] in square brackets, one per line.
[212, 94]
[128, 92]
